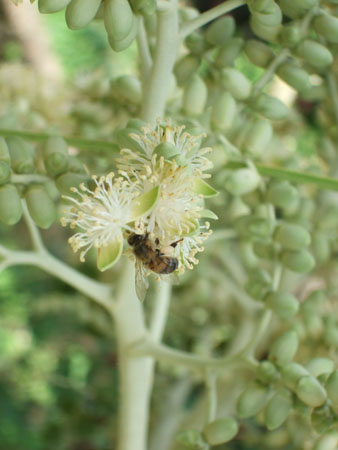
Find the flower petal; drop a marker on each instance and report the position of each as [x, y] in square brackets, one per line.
[108, 255]
[207, 213]
[144, 203]
[201, 187]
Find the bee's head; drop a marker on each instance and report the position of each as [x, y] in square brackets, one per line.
[135, 239]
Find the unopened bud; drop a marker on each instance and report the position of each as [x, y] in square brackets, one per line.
[271, 16]
[296, 8]
[318, 366]
[284, 304]
[124, 139]
[270, 107]
[252, 400]
[195, 43]
[21, 154]
[220, 431]
[291, 374]
[185, 68]
[220, 30]
[265, 249]
[51, 6]
[310, 391]
[298, 260]
[195, 96]
[242, 181]
[315, 54]
[10, 205]
[327, 442]
[56, 155]
[80, 12]
[327, 26]
[146, 7]
[296, 77]
[223, 111]
[258, 52]
[167, 150]
[266, 32]
[191, 439]
[5, 172]
[292, 236]
[322, 419]
[68, 180]
[236, 83]
[40, 206]
[258, 284]
[278, 408]
[282, 194]
[267, 372]
[229, 52]
[259, 137]
[320, 248]
[120, 23]
[284, 348]
[290, 35]
[332, 388]
[4, 151]
[129, 87]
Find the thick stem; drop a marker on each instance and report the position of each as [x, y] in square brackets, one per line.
[156, 88]
[135, 374]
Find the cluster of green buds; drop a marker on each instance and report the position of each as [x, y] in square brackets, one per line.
[36, 177]
[120, 16]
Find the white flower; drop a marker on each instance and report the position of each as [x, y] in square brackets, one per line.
[102, 214]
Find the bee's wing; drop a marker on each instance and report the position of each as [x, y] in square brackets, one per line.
[141, 281]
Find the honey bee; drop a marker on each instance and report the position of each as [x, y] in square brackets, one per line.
[148, 256]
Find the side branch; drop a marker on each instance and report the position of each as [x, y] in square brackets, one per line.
[208, 16]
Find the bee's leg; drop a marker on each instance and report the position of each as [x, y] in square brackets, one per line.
[157, 241]
[174, 244]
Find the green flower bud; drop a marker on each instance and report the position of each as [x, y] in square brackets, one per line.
[261, 227]
[75, 165]
[195, 96]
[298, 260]
[67, 180]
[318, 366]
[80, 13]
[310, 391]
[290, 35]
[272, 16]
[284, 348]
[293, 237]
[129, 88]
[266, 32]
[259, 137]
[236, 83]
[261, 6]
[270, 107]
[185, 68]
[248, 257]
[258, 284]
[51, 6]
[120, 23]
[315, 54]
[195, 43]
[5, 172]
[332, 388]
[40, 206]
[223, 111]
[327, 442]
[294, 76]
[191, 439]
[136, 124]
[282, 194]
[220, 30]
[21, 155]
[242, 181]
[326, 149]
[292, 373]
[10, 205]
[229, 52]
[167, 150]
[320, 248]
[4, 151]
[56, 155]
[285, 305]
[146, 7]
[313, 301]
[327, 26]
[278, 408]
[220, 431]
[328, 219]
[237, 209]
[267, 372]
[252, 400]
[258, 52]
[265, 249]
[296, 8]
[331, 335]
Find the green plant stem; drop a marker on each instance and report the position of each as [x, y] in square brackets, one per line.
[99, 292]
[211, 385]
[29, 178]
[270, 70]
[208, 16]
[33, 230]
[160, 311]
[193, 362]
[86, 144]
[156, 87]
[291, 175]
[135, 374]
[144, 52]
[332, 85]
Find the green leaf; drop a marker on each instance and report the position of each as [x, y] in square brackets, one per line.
[144, 203]
[201, 187]
[207, 213]
[108, 255]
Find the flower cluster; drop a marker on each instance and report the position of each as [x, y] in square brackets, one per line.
[159, 192]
